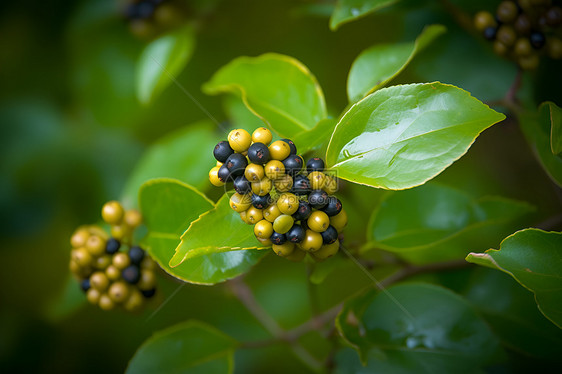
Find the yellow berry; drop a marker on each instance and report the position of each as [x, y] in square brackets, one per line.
[240, 203]
[262, 135]
[263, 229]
[239, 140]
[330, 185]
[254, 215]
[82, 257]
[112, 272]
[283, 250]
[134, 302]
[271, 212]
[318, 221]
[317, 179]
[288, 203]
[279, 150]
[312, 241]
[254, 172]
[112, 212]
[327, 251]
[95, 245]
[296, 256]
[262, 187]
[99, 281]
[93, 296]
[283, 223]
[121, 261]
[339, 221]
[264, 242]
[103, 262]
[274, 169]
[214, 178]
[133, 218]
[284, 183]
[147, 280]
[79, 238]
[118, 292]
[105, 302]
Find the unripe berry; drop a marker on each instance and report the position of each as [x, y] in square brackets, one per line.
[112, 212]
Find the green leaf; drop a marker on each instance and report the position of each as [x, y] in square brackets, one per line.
[532, 258]
[161, 61]
[439, 223]
[216, 231]
[317, 138]
[277, 88]
[541, 131]
[417, 328]
[402, 136]
[239, 115]
[556, 128]
[185, 154]
[349, 10]
[379, 64]
[189, 347]
[169, 207]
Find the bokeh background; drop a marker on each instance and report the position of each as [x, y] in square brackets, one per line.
[72, 130]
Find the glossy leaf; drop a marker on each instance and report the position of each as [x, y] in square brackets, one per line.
[161, 61]
[379, 64]
[402, 136]
[532, 258]
[439, 223]
[315, 139]
[218, 230]
[169, 207]
[240, 117]
[185, 154]
[349, 10]
[538, 129]
[555, 127]
[416, 328]
[277, 88]
[189, 347]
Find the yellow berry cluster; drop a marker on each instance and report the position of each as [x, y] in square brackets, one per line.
[109, 276]
[522, 30]
[290, 204]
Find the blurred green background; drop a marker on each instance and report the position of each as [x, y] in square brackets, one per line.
[71, 131]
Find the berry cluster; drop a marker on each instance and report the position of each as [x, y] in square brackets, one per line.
[147, 18]
[521, 30]
[108, 276]
[291, 206]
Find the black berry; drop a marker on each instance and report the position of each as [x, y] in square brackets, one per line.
[242, 185]
[85, 285]
[296, 234]
[136, 254]
[301, 185]
[112, 246]
[291, 145]
[315, 164]
[261, 202]
[224, 174]
[131, 274]
[333, 207]
[537, 39]
[236, 164]
[330, 235]
[303, 212]
[222, 151]
[490, 33]
[258, 153]
[293, 164]
[148, 293]
[277, 238]
[318, 199]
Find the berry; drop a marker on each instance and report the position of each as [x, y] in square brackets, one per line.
[500, 48]
[254, 215]
[333, 207]
[95, 245]
[296, 234]
[301, 185]
[236, 164]
[522, 25]
[223, 174]
[284, 249]
[131, 274]
[312, 241]
[279, 150]
[293, 164]
[530, 62]
[263, 229]
[112, 272]
[326, 251]
[296, 256]
[261, 202]
[121, 261]
[315, 164]
[82, 257]
[118, 292]
[288, 203]
[79, 238]
[258, 153]
[105, 302]
[507, 11]
[214, 177]
[554, 48]
[330, 185]
[239, 140]
[149, 293]
[271, 213]
[283, 184]
[112, 212]
[318, 221]
[318, 199]
[330, 235]
[303, 212]
[147, 280]
[339, 221]
[254, 172]
[292, 146]
[262, 135]
[262, 187]
[317, 179]
[103, 262]
[274, 169]
[99, 281]
[242, 185]
[134, 302]
[537, 39]
[93, 296]
[85, 285]
[523, 47]
[277, 238]
[136, 254]
[490, 33]
[554, 16]
[112, 246]
[283, 223]
[506, 35]
[222, 151]
[240, 203]
[483, 19]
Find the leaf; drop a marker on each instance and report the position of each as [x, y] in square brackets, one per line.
[185, 154]
[532, 257]
[439, 223]
[277, 88]
[379, 64]
[161, 61]
[317, 138]
[218, 230]
[402, 136]
[239, 115]
[70, 300]
[189, 347]
[169, 207]
[556, 128]
[349, 10]
[416, 328]
[537, 128]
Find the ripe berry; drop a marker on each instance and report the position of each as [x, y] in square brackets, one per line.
[131, 274]
[333, 207]
[112, 212]
[296, 234]
[222, 151]
[239, 140]
[279, 150]
[318, 221]
[136, 254]
[258, 153]
[330, 235]
[537, 39]
[262, 135]
[293, 164]
[312, 241]
[315, 164]
[236, 164]
[261, 202]
[490, 33]
[242, 185]
[288, 203]
[224, 174]
[283, 184]
[284, 249]
[283, 223]
[277, 238]
[301, 185]
[292, 145]
[303, 211]
[254, 172]
[274, 169]
[149, 293]
[263, 229]
[318, 199]
[85, 285]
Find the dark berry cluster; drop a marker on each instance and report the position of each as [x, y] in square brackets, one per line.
[147, 18]
[291, 205]
[109, 276]
[522, 30]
